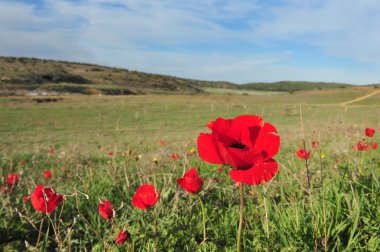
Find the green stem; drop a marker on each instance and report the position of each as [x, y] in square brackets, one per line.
[203, 218]
[240, 229]
[155, 230]
[40, 231]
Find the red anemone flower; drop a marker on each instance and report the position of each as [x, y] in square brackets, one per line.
[175, 156]
[47, 174]
[369, 132]
[360, 146]
[374, 146]
[110, 153]
[246, 143]
[191, 182]
[315, 144]
[106, 210]
[45, 200]
[145, 197]
[303, 154]
[13, 179]
[121, 237]
[25, 198]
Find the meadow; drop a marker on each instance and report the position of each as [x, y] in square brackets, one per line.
[104, 147]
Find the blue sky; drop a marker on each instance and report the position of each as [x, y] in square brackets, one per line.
[233, 40]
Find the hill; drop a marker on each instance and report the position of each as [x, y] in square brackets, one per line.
[292, 86]
[26, 74]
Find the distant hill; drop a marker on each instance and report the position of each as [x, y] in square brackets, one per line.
[22, 75]
[59, 76]
[292, 86]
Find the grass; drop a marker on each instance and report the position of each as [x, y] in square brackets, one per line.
[339, 215]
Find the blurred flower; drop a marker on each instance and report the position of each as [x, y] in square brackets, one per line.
[155, 160]
[51, 151]
[138, 157]
[45, 200]
[162, 143]
[106, 210]
[22, 162]
[13, 179]
[145, 197]
[323, 156]
[369, 132]
[47, 174]
[110, 153]
[175, 156]
[374, 146]
[315, 144]
[303, 154]
[25, 198]
[360, 146]
[246, 143]
[191, 182]
[220, 169]
[121, 237]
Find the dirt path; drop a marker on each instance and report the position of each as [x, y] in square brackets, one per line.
[360, 98]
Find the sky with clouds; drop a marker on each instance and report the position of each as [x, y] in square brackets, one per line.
[233, 40]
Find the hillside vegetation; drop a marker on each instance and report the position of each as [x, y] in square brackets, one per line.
[20, 75]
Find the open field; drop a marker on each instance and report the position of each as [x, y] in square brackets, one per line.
[339, 213]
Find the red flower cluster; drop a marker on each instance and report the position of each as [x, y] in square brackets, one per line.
[145, 197]
[191, 182]
[106, 210]
[360, 146]
[303, 154]
[45, 200]
[246, 143]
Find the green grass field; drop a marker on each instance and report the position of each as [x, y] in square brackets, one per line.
[340, 214]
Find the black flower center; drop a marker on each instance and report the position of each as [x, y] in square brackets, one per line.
[238, 146]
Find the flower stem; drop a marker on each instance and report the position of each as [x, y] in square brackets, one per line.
[40, 231]
[155, 230]
[203, 218]
[240, 229]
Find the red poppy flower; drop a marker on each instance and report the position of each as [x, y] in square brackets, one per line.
[145, 197]
[45, 200]
[162, 143]
[110, 153]
[315, 144]
[175, 156]
[25, 198]
[303, 154]
[369, 132]
[121, 237]
[13, 179]
[47, 174]
[22, 162]
[106, 210]
[374, 146]
[360, 146]
[191, 182]
[246, 143]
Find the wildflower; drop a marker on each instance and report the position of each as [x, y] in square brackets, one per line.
[110, 153]
[22, 162]
[155, 160]
[145, 197]
[374, 146]
[360, 146]
[162, 143]
[303, 154]
[246, 143]
[369, 132]
[220, 169]
[45, 200]
[191, 182]
[47, 174]
[122, 236]
[106, 210]
[315, 144]
[13, 179]
[175, 156]
[51, 151]
[25, 198]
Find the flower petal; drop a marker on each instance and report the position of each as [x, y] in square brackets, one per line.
[257, 174]
[208, 149]
[268, 141]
